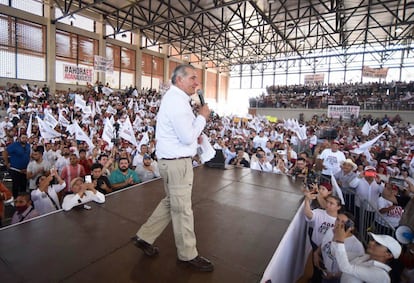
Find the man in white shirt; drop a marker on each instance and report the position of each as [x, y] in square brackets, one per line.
[260, 140]
[36, 168]
[82, 193]
[45, 197]
[177, 134]
[261, 163]
[371, 267]
[331, 159]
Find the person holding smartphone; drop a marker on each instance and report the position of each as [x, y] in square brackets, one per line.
[45, 197]
[323, 257]
[82, 193]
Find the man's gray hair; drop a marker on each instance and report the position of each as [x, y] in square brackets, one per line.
[180, 71]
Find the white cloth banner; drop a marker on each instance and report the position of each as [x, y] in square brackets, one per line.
[344, 111]
[77, 73]
[205, 150]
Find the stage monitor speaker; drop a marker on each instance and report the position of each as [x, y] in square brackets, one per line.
[217, 161]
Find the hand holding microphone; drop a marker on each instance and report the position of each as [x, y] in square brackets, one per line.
[204, 110]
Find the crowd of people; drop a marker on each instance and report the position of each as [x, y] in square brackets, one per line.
[53, 172]
[369, 96]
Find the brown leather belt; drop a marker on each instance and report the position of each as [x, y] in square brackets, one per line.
[176, 158]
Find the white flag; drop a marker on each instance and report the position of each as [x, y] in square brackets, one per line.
[367, 145]
[127, 132]
[130, 104]
[111, 110]
[29, 127]
[144, 140]
[80, 135]
[366, 128]
[138, 121]
[108, 133]
[98, 109]
[107, 91]
[50, 120]
[63, 121]
[79, 102]
[46, 131]
[337, 190]
[411, 131]
[390, 128]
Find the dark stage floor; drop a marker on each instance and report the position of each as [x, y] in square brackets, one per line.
[240, 218]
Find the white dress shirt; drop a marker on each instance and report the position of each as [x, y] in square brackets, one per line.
[177, 127]
[43, 202]
[361, 269]
[72, 200]
[264, 167]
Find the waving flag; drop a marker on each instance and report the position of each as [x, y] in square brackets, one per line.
[337, 190]
[79, 102]
[46, 131]
[29, 127]
[127, 132]
[80, 135]
[108, 133]
[50, 119]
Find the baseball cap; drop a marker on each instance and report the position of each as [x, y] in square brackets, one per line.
[389, 242]
[326, 185]
[370, 171]
[146, 156]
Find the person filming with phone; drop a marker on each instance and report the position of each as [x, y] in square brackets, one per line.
[45, 197]
[374, 265]
[82, 193]
[323, 258]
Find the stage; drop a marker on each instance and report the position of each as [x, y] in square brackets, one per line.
[240, 217]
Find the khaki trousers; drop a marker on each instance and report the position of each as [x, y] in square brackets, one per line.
[176, 206]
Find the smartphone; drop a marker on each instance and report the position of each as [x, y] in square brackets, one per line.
[348, 224]
[88, 179]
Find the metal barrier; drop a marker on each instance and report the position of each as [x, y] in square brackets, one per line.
[368, 218]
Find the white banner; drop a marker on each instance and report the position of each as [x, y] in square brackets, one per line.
[101, 64]
[315, 79]
[76, 73]
[344, 111]
[374, 72]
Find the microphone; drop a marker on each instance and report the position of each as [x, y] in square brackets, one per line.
[200, 96]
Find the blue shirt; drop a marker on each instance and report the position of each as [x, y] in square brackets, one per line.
[19, 155]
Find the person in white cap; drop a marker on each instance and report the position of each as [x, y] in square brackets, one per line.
[371, 267]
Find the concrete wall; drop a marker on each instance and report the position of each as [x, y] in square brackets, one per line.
[285, 113]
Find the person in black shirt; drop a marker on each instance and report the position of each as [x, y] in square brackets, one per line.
[239, 160]
[102, 183]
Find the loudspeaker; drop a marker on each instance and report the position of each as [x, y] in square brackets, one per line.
[217, 161]
[329, 134]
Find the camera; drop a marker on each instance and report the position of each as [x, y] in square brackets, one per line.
[312, 178]
[258, 155]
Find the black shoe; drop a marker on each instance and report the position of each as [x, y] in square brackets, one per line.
[199, 263]
[147, 248]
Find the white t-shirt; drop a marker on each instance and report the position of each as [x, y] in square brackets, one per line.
[322, 222]
[393, 216]
[353, 247]
[331, 161]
